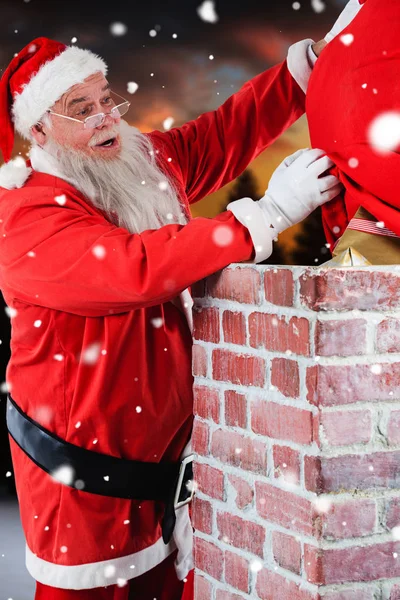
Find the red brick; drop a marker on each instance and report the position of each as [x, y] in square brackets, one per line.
[349, 519]
[351, 472]
[244, 491]
[388, 335]
[285, 376]
[355, 563]
[335, 289]
[234, 327]
[281, 422]
[279, 335]
[200, 437]
[341, 338]
[208, 558]
[395, 592]
[206, 324]
[279, 286]
[241, 369]
[287, 464]
[202, 588]
[287, 551]
[251, 454]
[271, 586]
[210, 480]
[224, 595]
[199, 359]
[202, 515]
[235, 409]
[360, 594]
[393, 513]
[286, 509]
[345, 384]
[347, 427]
[240, 533]
[394, 428]
[242, 284]
[206, 402]
[237, 571]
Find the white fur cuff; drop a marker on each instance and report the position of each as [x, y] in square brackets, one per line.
[298, 63]
[249, 214]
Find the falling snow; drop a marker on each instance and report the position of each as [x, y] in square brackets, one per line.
[118, 29]
[168, 122]
[132, 87]
[222, 236]
[384, 132]
[207, 12]
[347, 39]
[318, 6]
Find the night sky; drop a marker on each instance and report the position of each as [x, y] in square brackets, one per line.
[248, 38]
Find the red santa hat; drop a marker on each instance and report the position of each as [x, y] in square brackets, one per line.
[35, 79]
[352, 98]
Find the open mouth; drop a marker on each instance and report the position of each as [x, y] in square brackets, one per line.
[107, 143]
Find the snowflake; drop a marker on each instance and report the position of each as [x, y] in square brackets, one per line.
[90, 355]
[384, 132]
[61, 200]
[132, 87]
[168, 122]
[118, 29]
[109, 570]
[353, 163]
[347, 39]
[222, 236]
[99, 251]
[64, 474]
[206, 12]
[318, 6]
[255, 566]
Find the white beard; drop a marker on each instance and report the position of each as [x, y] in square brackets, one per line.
[114, 185]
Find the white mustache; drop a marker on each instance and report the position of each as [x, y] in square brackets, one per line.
[103, 137]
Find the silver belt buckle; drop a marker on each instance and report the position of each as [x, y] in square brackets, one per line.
[189, 484]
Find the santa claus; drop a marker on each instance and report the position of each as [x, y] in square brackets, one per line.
[97, 253]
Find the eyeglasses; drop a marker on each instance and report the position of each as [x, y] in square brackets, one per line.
[98, 119]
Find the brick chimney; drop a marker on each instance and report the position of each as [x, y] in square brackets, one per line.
[297, 402]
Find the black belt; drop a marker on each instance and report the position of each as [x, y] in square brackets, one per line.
[103, 474]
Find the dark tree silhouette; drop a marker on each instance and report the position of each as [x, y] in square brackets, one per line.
[246, 187]
[310, 242]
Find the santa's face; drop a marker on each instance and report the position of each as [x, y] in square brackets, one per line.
[85, 99]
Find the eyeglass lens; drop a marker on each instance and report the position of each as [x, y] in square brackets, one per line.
[97, 120]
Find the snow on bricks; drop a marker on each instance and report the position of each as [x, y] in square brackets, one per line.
[296, 434]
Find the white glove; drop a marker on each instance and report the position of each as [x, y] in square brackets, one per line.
[345, 18]
[295, 189]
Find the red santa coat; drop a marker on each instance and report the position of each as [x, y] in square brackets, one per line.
[340, 115]
[72, 306]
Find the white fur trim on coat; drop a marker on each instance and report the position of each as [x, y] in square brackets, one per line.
[298, 62]
[52, 80]
[93, 575]
[14, 173]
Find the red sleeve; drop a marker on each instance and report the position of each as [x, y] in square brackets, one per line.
[216, 147]
[67, 259]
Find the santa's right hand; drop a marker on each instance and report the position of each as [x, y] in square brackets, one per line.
[297, 188]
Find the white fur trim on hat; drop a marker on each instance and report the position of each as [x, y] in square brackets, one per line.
[14, 173]
[52, 80]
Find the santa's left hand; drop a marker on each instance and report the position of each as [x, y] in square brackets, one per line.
[345, 18]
